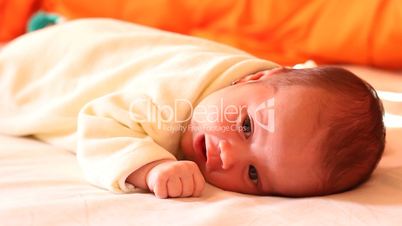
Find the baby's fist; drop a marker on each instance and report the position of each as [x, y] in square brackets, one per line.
[175, 179]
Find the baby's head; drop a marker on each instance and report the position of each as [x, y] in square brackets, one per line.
[289, 132]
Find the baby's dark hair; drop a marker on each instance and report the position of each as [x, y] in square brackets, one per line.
[355, 134]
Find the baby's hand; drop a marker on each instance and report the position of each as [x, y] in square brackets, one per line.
[175, 179]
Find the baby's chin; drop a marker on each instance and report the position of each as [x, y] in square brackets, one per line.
[187, 152]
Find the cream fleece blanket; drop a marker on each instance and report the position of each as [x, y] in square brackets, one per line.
[78, 86]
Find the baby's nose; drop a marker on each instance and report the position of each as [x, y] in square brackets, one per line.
[226, 154]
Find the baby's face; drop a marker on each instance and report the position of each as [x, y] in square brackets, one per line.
[250, 139]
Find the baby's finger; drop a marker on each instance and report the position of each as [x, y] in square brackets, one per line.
[160, 189]
[187, 186]
[199, 184]
[174, 187]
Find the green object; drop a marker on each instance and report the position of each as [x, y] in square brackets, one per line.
[40, 20]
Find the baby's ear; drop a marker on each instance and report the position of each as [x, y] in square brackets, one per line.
[259, 75]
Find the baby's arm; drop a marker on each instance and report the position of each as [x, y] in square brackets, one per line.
[169, 178]
[117, 152]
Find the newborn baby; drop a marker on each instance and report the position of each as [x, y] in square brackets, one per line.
[147, 109]
[288, 132]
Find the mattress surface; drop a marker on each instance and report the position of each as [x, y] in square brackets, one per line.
[43, 185]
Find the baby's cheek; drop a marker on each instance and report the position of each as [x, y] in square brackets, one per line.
[230, 114]
[230, 117]
[217, 118]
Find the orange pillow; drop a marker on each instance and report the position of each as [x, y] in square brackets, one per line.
[14, 15]
[286, 31]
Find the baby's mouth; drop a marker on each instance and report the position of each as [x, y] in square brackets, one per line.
[200, 147]
[210, 157]
[204, 147]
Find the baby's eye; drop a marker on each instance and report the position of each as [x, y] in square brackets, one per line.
[246, 127]
[252, 174]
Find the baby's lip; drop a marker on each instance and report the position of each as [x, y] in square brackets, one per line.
[214, 161]
[200, 147]
[207, 152]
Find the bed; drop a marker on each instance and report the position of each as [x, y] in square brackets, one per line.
[43, 185]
